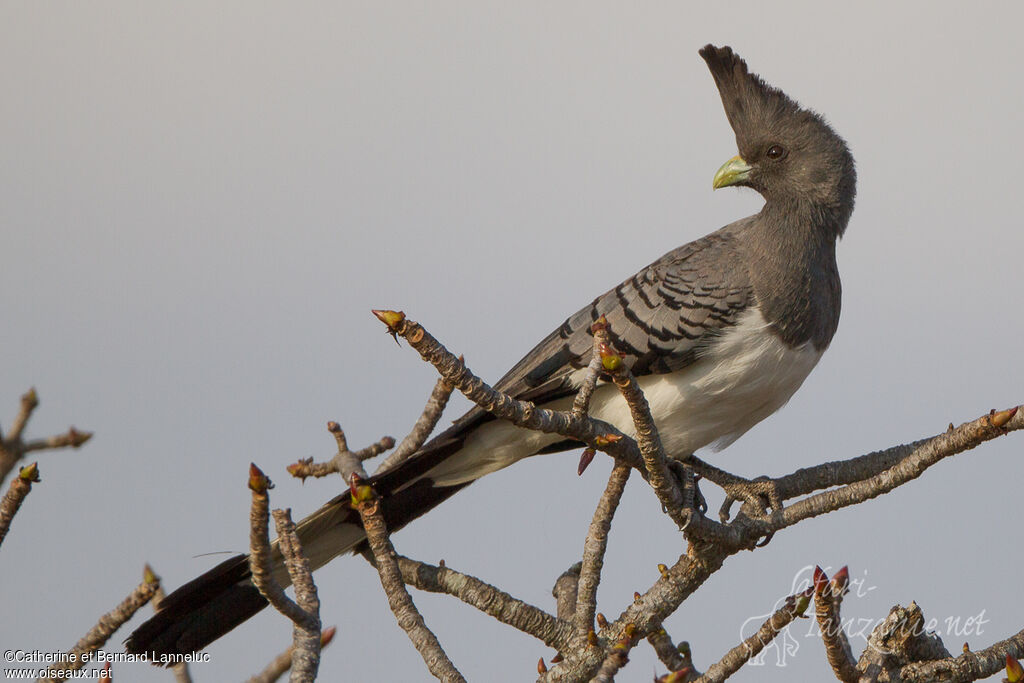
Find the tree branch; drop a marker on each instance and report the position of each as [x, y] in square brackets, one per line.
[488, 599]
[595, 433]
[105, 627]
[282, 662]
[742, 653]
[655, 461]
[911, 466]
[306, 636]
[409, 618]
[20, 487]
[304, 614]
[970, 666]
[594, 548]
[345, 462]
[423, 427]
[13, 448]
[670, 655]
[828, 596]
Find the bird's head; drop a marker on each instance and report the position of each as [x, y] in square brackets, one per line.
[785, 152]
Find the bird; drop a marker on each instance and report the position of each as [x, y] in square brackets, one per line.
[719, 333]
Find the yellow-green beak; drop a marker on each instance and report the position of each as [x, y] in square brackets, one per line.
[732, 172]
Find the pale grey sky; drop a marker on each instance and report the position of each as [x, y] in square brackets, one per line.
[200, 203]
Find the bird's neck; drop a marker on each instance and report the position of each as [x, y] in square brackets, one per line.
[794, 270]
[808, 220]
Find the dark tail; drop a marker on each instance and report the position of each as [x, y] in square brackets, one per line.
[199, 612]
[209, 606]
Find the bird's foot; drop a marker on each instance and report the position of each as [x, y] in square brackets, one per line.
[693, 502]
[757, 495]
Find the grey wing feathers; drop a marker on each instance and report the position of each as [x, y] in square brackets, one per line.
[661, 318]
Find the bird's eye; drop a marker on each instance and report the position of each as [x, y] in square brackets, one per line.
[775, 152]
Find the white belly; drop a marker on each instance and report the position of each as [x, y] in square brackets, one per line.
[745, 377]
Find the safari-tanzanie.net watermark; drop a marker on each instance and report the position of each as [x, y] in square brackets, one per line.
[787, 643]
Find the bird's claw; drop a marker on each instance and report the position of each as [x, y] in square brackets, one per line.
[757, 495]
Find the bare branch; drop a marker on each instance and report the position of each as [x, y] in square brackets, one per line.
[655, 461]
[344, 462]
[901, 638]
[105, 627]
[69, 439]
[970, 666]
[647, 611]
[566, 592]
[742, 653]
[594, 548]
[828, 596]
[16, 493]
[581, 404]
[616, 659]
[423, 427]
[306, 635]
[282, 662]
[595, 433]
[29, 402]
[304, 614]
[399, 599]
[260, 563]
[13, 448]
[913, 465]
[488, 599]
[670, 655]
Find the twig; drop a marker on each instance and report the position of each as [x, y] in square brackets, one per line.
[581, 404]
[306, 636]
[828, 597]
[105, 627]
[19, 489]
[594, 548]
[260, 564]
[13, 448]
[666, 650]
[886, 469]
[742, 653]
[423, 427]
[595, 433]
[486, 598]
[899, 639]
[617, 658]
[345, 462]
[913, 465]
[408, 617]
[282, 662]
[304, 614]
[566, 592]
[655, 461]
[29, 402]
[970, 666]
